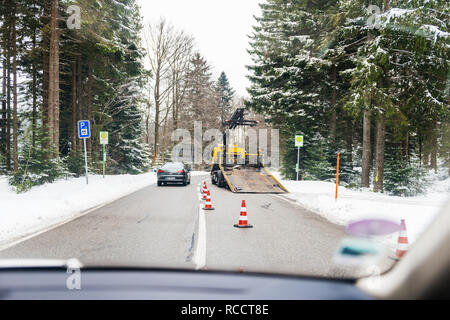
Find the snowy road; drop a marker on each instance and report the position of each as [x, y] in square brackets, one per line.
[164, 227]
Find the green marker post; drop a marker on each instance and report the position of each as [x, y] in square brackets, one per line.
[298, 143]
[104, 140]
[104, 160]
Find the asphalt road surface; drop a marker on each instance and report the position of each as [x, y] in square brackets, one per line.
[165, 227]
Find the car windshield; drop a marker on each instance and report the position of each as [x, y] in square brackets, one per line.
[313, 136]
[173, 166]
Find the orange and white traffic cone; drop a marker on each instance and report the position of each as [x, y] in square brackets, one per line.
[243, 220]
[402, 246]
[204, 190]
[205, 194]
[202, 186]
[208, 203]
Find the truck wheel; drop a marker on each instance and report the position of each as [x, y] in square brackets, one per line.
[214, 178]
[221, 180]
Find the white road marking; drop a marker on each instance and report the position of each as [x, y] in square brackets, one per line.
[200, 250]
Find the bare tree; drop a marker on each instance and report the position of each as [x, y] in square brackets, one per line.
[159, 41]
[179, 69]
[168, 52]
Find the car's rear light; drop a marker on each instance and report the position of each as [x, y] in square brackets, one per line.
[180, 171]
[160, 171]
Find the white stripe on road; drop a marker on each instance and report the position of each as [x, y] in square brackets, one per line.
[200, 250]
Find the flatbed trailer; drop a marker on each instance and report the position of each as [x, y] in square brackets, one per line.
[233, 169]
[246, 179]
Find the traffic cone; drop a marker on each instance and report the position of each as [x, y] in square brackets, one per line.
[243, 220]
[204, 190]
[202, 187]
[402, 247]
[208, 203]
[205, 193]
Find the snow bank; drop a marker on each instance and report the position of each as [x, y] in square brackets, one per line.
[64, 200]
[353, 205]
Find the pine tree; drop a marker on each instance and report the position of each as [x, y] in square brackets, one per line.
[319, 68]
[200, 93]
[95, 72]
[225, 95]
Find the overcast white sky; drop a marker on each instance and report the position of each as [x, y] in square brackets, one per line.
[220, 28]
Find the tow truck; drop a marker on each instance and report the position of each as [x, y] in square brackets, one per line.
[236, 169]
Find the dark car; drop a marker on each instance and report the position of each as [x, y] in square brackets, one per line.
[174, 173]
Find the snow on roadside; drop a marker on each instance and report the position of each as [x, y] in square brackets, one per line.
[61, 201]
[353, 205]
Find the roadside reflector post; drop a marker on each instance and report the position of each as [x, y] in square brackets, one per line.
[299, 140]
[85, 161]
[104, 140]
[104, 161]
[337, 175]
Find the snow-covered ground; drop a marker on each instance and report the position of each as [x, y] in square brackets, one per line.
[353, 205]
[64, 200]
[52, 204]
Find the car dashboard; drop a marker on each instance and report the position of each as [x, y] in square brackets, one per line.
[128, 284]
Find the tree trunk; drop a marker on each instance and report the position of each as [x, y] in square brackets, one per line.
[367, 147]
[80, 89]
[434, 147]
[34, 92]
[45, 73]
[53, 91]
[425, 151]
[55, 61]
[8, 103]
[333, 107]
[74, 107]
[89, 104]
[15, 129]
[157, 116]
[3, 117]
[366, 152]
[174, 102]
[379, 156]
[147, 123]
[406, 147]
[349, 141]
[7, 97]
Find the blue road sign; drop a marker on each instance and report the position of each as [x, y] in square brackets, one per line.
[84, 129]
